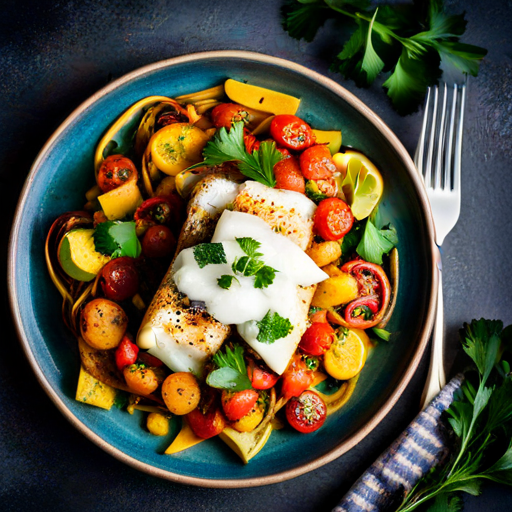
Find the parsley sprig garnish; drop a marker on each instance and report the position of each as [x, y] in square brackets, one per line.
[250, 265]
[273, 327]
[228, 146]
[406, 40]
[481, 418]
[116, 239]
[231, 372]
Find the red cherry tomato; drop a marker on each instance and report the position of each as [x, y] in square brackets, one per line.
[288, 175]
[226, 114]
[119, 279]
[158, 209]
[307, 412]
[291, 132]
[296, 378]
[316, 163]
[261, 378]
[317, 339]
[375, 293]
[207, 424]
[116, 170]
[126, 353]
[236, 404]
[333, 219]
[158, 242]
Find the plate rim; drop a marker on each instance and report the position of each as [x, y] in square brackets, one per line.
[425, 331]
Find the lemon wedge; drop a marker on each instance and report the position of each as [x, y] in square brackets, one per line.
[362, 184]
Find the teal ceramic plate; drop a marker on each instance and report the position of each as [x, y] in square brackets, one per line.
[63, 172]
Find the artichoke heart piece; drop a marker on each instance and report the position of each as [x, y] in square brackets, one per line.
[246, 444]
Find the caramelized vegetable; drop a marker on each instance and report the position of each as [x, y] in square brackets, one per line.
[181, 393]
[103, 324]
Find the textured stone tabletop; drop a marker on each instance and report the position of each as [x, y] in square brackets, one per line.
[53, 56]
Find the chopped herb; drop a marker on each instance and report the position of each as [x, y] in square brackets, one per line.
[228, 146]
[116, 239]
[231, 372]
[225, 281]
[206, 254]
[273, 327]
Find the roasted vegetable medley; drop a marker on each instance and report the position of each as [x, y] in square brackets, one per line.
[228, 268]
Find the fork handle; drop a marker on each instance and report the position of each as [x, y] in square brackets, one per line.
[436, 378]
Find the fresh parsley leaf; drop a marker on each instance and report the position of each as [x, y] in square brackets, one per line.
[447, 502]
[264, 277]
[229, 147]
[382, 333]
[103, 241]
[252, 265]
[302, 20]
[231, 372]
[371, 64]
[209, 254]
[249, 246]
[273, 327]
[225, 281]
[409, 41]
[116, 239]
[481, 418]
[375, 243]
[481, 341]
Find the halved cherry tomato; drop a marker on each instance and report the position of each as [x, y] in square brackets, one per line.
[296, 378]
[207, 424]
[226, 114]
[288, 175]
[291, 132]
[165, 210]
[119, 279]
[261, 378]
[158, 242]
[333, 219]
[236, 404]
[307, 412]
[116, 170]
[126, 353]
[375, 293]
[316, 163]
[317, 339]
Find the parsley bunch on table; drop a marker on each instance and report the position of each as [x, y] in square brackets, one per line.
[411, 43]
[481, 419]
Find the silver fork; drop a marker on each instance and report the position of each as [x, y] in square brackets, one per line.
[437, 158]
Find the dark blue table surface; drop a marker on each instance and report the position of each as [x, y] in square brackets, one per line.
[53, 56]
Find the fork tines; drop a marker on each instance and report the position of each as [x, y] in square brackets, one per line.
[438, 154]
